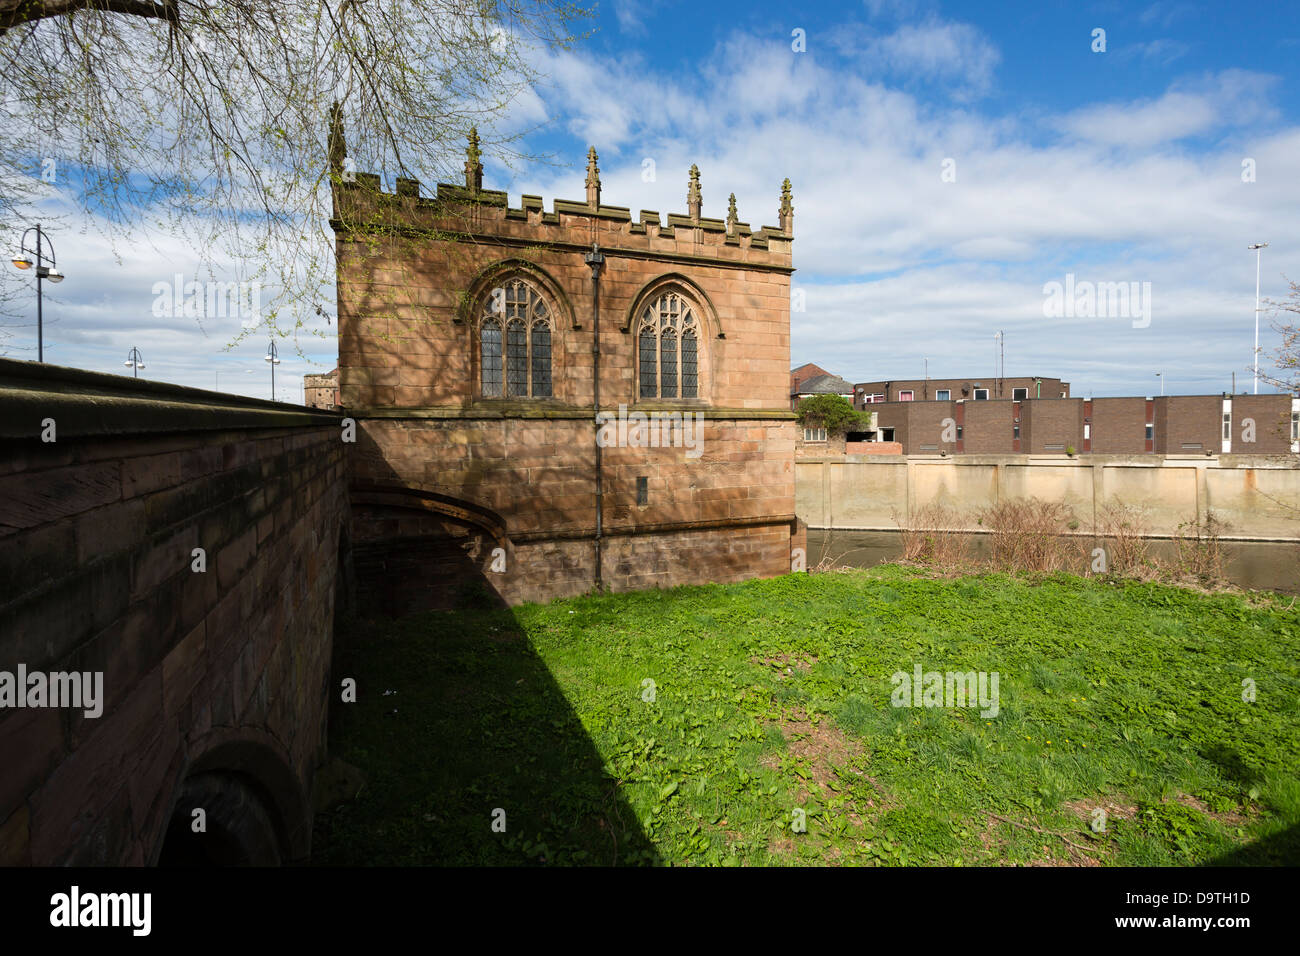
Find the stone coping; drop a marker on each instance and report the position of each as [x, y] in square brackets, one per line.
[519, 410]
[85, 404]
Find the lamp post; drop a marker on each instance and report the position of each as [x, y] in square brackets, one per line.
[22, 260]
[135, 361]
[273, 357]
[1258, 247]
[1161, 376]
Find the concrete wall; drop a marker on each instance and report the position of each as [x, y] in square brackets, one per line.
[214, 681]
[1257, 497]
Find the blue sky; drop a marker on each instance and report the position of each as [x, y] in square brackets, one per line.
[1115, 166]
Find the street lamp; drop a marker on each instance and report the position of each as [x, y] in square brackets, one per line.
[22, 261]
[134, 360]
[1161, 376]
[273, 357]
[1258, 247]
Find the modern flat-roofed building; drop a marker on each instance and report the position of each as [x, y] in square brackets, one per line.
[958, 389]
[1164, 425]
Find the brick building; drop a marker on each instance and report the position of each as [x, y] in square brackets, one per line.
[321, 391]
[809, 380]
[821, 385]
[803, 373]
[468, 333]
[1165, 425]
[958, 389]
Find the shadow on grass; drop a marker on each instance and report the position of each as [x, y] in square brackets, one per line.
[456, 718]
[1278, 849]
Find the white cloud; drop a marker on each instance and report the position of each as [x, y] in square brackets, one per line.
[938, 50]
[897, 264]
[1231, 99]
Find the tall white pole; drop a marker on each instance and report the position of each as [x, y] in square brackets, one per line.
[1259, 248]
[1258, 252]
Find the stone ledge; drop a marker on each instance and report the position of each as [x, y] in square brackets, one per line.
[86, 404]
[517, 410]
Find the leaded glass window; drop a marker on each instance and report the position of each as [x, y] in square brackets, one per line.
[491, 338]
[516, 364]
[668, 349]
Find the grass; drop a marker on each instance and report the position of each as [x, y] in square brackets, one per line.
[1116, 698]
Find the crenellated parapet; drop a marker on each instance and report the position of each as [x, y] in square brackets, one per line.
[362, 206]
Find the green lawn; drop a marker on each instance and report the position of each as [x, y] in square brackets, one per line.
[772, 696]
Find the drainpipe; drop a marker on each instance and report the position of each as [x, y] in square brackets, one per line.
[596, 259]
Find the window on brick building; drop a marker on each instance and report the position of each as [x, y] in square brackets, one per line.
[668, 350]
[905, 395]
[1151, 431]
[1019, 394]
[515, 342]
[943, 395]
[981, 394]
[814, 434]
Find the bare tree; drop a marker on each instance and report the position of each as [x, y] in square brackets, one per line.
[210, 119]
[1286, 358]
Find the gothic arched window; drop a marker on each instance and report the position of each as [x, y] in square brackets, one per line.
[668, 352]
[515, 342]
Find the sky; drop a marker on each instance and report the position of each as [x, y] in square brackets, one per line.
[950, 162]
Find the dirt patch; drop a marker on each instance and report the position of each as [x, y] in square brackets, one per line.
[819, 748]
[823, 761]
[786, 665]
[781, 845]
[1115, 808]
[1229, 818]
[1058, 849]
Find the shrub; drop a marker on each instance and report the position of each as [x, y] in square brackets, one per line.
[835, 413]
[1026, 535]
[1126, 528]
[1199, 552]
[932, 537]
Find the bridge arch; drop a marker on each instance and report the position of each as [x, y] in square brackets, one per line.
[257, 811]
[415, 549]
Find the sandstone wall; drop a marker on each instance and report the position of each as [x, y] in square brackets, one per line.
[223, 669]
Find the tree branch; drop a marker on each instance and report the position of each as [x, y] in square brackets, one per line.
[17, 12]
